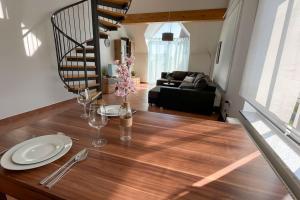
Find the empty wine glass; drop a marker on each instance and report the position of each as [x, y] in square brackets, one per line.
[98, 119]
[84, 98]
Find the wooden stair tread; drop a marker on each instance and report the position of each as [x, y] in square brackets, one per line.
[80, 58]
[87, 50]
[67, 67]
[76, 76]
[111, 13]
[109, 25]
[122, 4]
[103, 35]
[117, 1]
[82, 86]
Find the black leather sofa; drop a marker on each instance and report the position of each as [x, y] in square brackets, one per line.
[184, 97]
[175, 77]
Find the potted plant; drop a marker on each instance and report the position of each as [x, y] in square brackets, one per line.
[133, 73]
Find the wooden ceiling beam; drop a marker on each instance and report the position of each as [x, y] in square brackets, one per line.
[190, 15]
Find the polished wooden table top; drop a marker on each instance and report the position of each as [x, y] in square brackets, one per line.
[169, 157]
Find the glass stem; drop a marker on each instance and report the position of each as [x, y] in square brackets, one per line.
[84, 109]
[98, 137]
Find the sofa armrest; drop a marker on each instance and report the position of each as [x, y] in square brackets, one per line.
[193, 100]
[211, 87]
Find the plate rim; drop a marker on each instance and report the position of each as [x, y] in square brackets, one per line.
[8, 164]
[110, 115]
[30, 141]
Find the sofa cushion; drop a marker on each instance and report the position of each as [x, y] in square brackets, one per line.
[186, 85]
[164, 75]
[201, 81]
[198, 78]
[169, 76]
[202, 84]
[189, 79]
[179, 75]
[193, 74]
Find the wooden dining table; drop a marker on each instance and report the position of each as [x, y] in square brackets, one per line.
[169, 157]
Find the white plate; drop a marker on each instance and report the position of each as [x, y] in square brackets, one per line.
[7, 163]
[37, 150]
[111, 110]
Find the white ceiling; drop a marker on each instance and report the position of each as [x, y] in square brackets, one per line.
[146, 6]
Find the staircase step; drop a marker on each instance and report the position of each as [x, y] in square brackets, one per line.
[80, 58]
[75, 88]
[79, 77]
[103, 35]
[108, 25]
[87, 50]
[90, 42]
[117, 16]
[77, 68]
[120, 4]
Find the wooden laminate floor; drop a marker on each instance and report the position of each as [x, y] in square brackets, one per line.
[138, 101]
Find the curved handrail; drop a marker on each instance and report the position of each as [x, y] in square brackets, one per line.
[72, 29]
[63, 50]
[64, 34]
[59, 11]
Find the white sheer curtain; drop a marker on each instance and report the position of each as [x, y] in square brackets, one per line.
[167, 56]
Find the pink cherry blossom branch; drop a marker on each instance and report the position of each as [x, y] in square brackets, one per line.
[125, 84]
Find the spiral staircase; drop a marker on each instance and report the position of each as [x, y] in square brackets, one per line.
[78, 30]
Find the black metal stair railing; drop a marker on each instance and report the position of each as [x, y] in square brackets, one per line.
[72, 27]
[76, 29]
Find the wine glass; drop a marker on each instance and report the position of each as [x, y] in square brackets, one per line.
[84, 98]
[98, 119]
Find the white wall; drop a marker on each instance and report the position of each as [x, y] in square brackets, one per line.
[140, 66]
[204, 35]
[136, 32]
[29, 78]
[204, 38]
[108, 53]
[28, 81]
[239, 58]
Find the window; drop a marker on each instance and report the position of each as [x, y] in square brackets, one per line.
[271, 81]
[167, 56]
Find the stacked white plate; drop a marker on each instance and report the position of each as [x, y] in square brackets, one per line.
[111, 111]
[36, 152]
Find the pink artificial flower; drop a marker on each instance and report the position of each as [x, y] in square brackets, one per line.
[125, 84]
[130, 61]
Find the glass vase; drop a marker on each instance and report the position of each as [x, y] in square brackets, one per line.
[125, 122]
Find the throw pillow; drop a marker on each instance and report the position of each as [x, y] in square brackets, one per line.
[197, 79]
[201, 81]
[164, 75]
[170, 76]
[188, 79]
[202, 84]
[185, 85]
